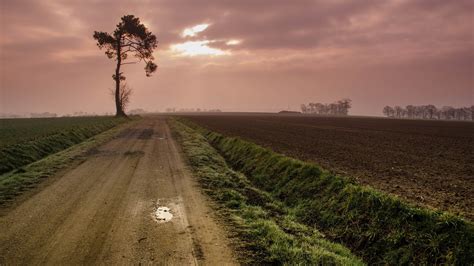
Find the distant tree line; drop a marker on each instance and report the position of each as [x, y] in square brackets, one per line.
[137, 111]
[10, 115]
[191, 110]
[340, 107]
[430, 112]
[43, 115]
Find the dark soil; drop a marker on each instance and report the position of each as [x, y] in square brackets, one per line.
[425, 162]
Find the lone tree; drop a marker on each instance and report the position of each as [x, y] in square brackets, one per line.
[133, 37]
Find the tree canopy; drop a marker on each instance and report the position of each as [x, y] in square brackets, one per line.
[130, 36]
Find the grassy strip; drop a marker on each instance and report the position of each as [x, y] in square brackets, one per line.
[16, 182]
[20, 154]
[266, 225]
[380, 228]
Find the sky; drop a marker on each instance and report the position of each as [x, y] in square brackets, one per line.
[245, 55]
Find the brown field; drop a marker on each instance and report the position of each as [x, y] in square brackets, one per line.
[425, 162]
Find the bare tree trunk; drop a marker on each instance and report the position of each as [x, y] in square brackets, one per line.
[118, 104]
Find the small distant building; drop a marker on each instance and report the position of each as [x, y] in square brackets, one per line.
[289, 112]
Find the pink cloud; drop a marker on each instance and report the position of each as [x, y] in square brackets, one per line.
[296, 50]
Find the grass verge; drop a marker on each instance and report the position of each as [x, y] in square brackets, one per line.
[380, 228]
[14, 183]
[16, 155]
[268, 228]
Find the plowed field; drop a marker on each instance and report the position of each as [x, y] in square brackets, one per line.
[425, 162]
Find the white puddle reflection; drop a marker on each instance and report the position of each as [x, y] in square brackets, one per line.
[170, 210]
[163, 214]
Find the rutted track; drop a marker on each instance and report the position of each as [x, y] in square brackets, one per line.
[102, 210]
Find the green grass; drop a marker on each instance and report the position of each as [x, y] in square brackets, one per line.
[267, 227]
[23, 129]
[15, 182]
[380, 228]
[23, 141]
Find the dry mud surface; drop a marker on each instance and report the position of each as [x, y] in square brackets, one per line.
[425, 162]
[103, 211]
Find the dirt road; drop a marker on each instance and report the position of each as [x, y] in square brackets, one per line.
[103, 211]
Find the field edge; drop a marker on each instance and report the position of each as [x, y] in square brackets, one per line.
[379, 227]
[15, 183]
[266, 228]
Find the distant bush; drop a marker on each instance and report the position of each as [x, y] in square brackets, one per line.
[340, 107]
[430, 112]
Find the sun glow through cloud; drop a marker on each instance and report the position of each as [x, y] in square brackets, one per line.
[193, 48]
[233, 42]
[191, 32]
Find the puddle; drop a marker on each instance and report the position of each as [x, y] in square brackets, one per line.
[163, 214]
[170, 210]
[146, 133]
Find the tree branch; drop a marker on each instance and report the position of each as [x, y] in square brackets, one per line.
[129, 63]
[131, 41]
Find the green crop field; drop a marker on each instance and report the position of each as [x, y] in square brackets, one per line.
[33, 149]
[23, 141]
[13, 131]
